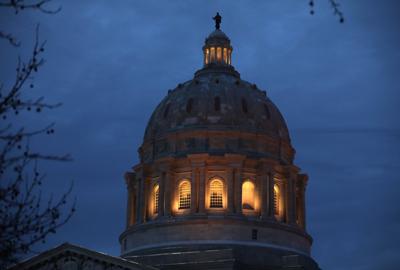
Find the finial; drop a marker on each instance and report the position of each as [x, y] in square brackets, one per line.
[217, 20]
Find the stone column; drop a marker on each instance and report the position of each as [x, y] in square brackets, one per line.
[161, 195]
[264, 195]
[230, 183]
[238, 190]
[271, 199]
[168, 187]
[194, 188]
[290, 199]
[302, 181]
[202, 189]
[141, 213]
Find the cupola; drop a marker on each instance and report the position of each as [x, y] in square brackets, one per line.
[217, 49]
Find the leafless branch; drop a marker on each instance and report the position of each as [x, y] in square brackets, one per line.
[19, 5]
[335, 6]
[10, 39]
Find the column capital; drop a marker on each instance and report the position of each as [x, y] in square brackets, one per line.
[130, 179]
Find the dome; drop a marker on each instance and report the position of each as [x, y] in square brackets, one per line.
[216, 174]
[216, 102]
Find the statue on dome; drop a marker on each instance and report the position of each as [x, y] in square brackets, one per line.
[217, 20]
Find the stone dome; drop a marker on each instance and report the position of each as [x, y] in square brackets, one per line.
[218, 101]
[216, 174]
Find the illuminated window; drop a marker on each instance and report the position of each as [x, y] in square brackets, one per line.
[212, 54]
[217, 104]
[184, 195]
[225, 56]
[207, 55]
[229, 57]
[276, 199]
[248, 195]
[219, 54]
[156, 192]
[216, 188]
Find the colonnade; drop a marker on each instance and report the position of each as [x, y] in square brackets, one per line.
[290, 184]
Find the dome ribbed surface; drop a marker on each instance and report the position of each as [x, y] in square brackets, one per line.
[193, 105]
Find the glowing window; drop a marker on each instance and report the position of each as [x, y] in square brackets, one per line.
[276, 199]
[184, 195]
[207, 55]
[248, 195]
[216, 189]
[212, 54]
[156, 192]
[219, 54]
[225, 56]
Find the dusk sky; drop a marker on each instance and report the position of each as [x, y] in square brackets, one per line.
[337, 85]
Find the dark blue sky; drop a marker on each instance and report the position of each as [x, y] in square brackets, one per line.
[111, 62]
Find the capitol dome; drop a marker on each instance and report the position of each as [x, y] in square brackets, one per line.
[216, 186]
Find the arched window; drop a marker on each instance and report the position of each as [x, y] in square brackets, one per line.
[248, 195]
[244, 105]
[207, 56]
[184, 195]
[189, 105]
[212, 54]
[225, 56]
[219, 54]
[277, 197]
[216, 189]
[156, 193]
[217, 104]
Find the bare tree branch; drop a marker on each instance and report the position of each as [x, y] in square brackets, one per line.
[335, 6]
[10, 39]
[19, 5]
[25, 218]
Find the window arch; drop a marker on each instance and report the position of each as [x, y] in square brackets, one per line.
[156, 195]
[277, 198]
[184, 195]
[248, 195]
[216, 191]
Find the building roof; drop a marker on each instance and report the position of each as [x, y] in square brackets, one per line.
[67, 253]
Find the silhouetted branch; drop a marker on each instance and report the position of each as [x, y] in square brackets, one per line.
[10, 39]
[25, 219]
[19, 5]
[335, 6]
[336, 11]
